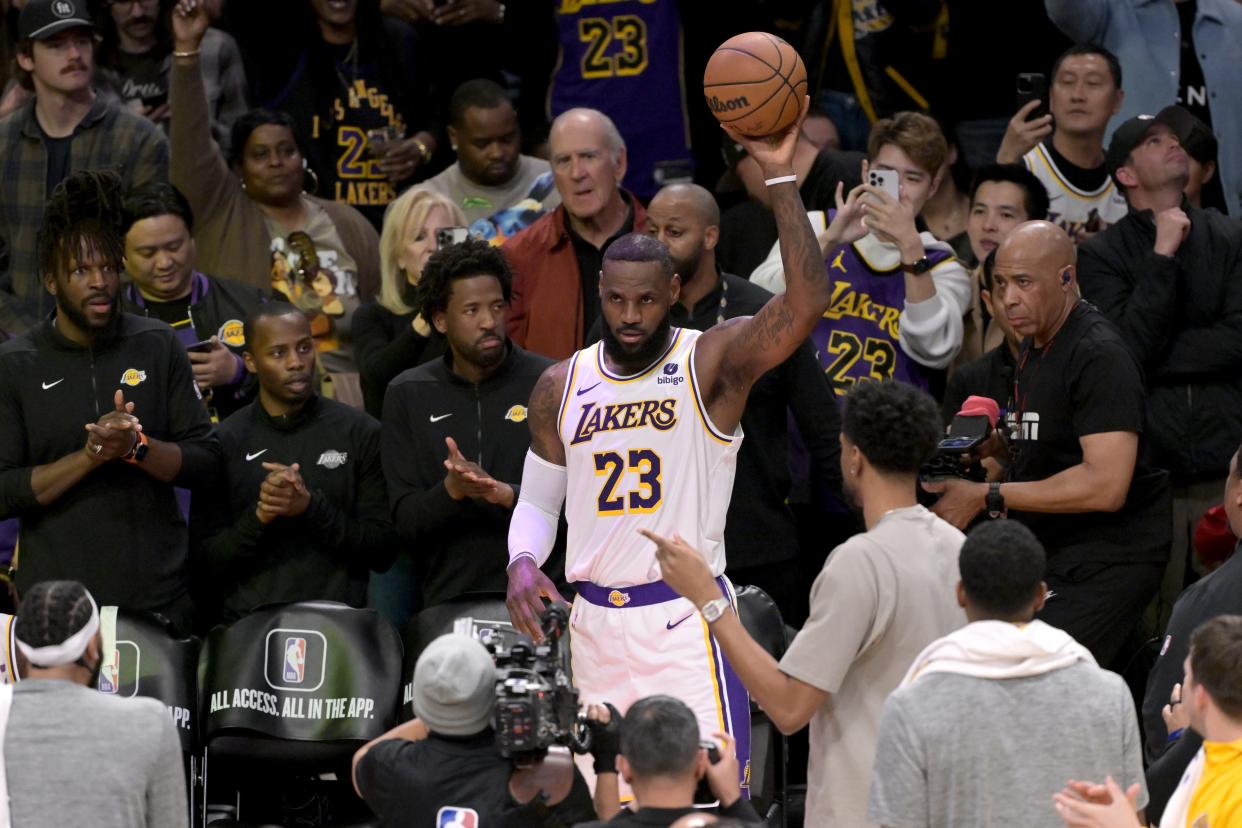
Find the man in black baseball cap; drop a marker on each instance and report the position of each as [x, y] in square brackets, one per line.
[1203, 189]
[1169, 275]
[1128, 136]
[64, 124]
[40, 19]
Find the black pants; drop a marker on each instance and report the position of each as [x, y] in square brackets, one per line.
[1099, 603]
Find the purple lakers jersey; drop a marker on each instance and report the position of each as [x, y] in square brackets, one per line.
[624, 58]
[857, 338]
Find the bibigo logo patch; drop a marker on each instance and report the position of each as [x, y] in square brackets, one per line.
[133, 377]
[516, 413]
[232, 333]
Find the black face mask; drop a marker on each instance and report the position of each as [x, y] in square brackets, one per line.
[94, 671]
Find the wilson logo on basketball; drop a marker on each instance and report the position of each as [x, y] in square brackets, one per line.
[716, 105]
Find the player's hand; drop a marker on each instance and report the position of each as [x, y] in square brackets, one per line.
[1172, 227]
[846, 226]
[1022, 135]
[528, 586]
[467, 479]
[1175, 715]
[1083, 805]
[283, 493]
[189, 24]
[960, 501]
[215, 367]
[722, 777]
[773, 153]
[683, 568]
[115, 433]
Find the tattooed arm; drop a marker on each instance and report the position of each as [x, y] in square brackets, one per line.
[731, 356]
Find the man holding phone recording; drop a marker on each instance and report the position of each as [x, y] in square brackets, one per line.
[1064, 146]
[899, 295]
[207, 312]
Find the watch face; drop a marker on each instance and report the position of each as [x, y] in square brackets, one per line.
[922, 265]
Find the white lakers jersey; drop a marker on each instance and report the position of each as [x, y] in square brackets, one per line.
[642, 453]
[1069, 207]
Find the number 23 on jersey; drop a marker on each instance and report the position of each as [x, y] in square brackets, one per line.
[632, 482]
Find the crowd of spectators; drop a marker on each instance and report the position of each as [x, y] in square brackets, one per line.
[278, 278]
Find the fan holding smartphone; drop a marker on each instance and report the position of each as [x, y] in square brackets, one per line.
[1058, 134]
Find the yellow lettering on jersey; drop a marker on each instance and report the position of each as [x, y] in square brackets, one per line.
[574, 6]
[659, 414]
[848, 302]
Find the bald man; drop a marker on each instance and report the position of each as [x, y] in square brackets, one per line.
[1071, 469]
[760, 532]
[556, 261]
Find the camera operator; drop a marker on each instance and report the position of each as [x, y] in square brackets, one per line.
[446, 761]
[662, 760]
[1074, 420]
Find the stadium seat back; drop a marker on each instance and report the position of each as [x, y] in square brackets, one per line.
[301, 684]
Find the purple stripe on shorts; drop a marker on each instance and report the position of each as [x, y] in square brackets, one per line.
[641, 595]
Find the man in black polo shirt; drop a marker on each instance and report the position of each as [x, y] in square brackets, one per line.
[300, 511]
[760, 534]
[99, 420]
[455, 433]
[207, 312]
[1074, 422]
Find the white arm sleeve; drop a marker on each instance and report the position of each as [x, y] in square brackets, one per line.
[532, 529]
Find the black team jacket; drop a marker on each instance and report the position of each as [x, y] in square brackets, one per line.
[218, 307]
[119, 530]
[459, 547]
[325, 553]
[1181, 315]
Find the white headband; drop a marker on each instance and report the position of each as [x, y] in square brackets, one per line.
[67, 651]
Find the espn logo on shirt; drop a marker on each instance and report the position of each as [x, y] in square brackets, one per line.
[295, 660]
[121, 671]
[453, 816]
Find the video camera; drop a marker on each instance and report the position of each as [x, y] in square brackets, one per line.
[955, 455]
[536, 703]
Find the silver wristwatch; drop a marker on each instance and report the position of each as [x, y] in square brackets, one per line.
[712, 610]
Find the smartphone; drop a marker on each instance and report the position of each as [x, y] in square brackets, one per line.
[200, 347]
[1033, 86]
[703, 791]
[886, 180]
[713, 750]
[452, 235]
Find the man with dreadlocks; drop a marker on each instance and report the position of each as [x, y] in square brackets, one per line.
[101, 419]
[55, 729]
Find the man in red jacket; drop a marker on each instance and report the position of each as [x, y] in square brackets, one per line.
[556, 261]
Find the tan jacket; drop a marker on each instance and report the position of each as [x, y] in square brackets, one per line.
[229, 228]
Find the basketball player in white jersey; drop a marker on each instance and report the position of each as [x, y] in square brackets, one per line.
[641, 431]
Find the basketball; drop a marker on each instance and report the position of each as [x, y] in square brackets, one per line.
[755, 83]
